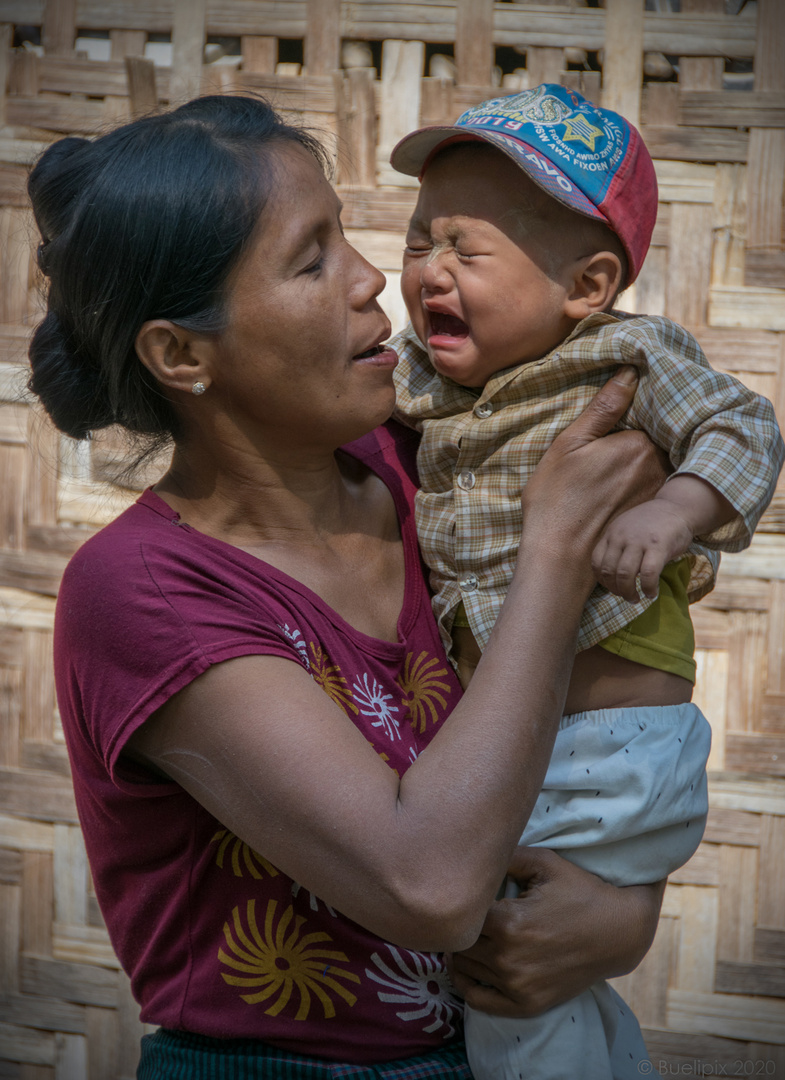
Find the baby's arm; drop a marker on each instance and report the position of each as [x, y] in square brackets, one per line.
[642, 540]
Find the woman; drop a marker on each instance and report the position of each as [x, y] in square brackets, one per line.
[289, 809]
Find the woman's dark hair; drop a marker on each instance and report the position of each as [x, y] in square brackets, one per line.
[145, 222]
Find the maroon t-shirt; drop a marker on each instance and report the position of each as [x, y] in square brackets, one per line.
[215, 938]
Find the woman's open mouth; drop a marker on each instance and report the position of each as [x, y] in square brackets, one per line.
[379, 355]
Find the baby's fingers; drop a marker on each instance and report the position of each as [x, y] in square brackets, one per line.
[652, 565]
[617, 566]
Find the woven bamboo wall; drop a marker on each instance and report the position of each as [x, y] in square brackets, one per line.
[707, 85]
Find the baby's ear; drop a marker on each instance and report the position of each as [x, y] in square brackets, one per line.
[595, 281]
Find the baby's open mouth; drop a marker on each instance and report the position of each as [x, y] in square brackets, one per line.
[447, 325]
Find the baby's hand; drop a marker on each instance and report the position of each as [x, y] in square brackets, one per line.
[640, 542]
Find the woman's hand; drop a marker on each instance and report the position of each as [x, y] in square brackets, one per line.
[584, 480]
[565, 931]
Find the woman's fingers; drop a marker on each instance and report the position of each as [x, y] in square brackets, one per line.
[604, 411]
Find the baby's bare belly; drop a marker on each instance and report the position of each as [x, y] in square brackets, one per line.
[599, 679]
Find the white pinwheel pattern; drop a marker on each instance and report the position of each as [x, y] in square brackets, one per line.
[422, 986]
[298, 641]
[373, 701]
[314, 901]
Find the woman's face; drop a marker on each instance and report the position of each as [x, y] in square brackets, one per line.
[301, 357]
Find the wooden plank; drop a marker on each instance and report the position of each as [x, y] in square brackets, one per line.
[622, 68]
[764, 268]
[690, 262]
[763, 795]
[15, 225]
[45, 756]
[6, 37]
[356, 118]
[701, 72]
[737, 897]
[260, 54]
[68, 116]
[766, 980]
[474, 41]
[70, 875]
[729, 224]
[764, 186]
[322, 46]
[763, 754]
[769, 945]
[26, 1045]
[399, 104]
[38, 910]
[73, 982]
[732, 1016]
[142, 91]
[771, 882]
[41, 486]
[38, 796]
[431, 21]
[127, 43]
[697, 938]
[674, 1053]
[769, 45]
[36, 571]
[11, 906]
[733, 349]
[732, 108]
[685, 181]
[103, 1060]
[38, 702]
[427, 20]
[776, 657]
[10, 867]
[386, 210]
[756, 308]
[43, 1012]
[83, 945]
[22, 610]
[732, 827]
[188, 38]
[696, 144]
[58, 32]
[25, 835]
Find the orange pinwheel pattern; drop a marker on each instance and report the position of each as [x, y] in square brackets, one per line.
[329, 677]
[285, 964]
[422, 683]
[242, 855]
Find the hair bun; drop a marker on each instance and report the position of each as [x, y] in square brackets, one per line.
[70, 388]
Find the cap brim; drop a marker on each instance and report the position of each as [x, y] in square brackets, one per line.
[413, 150]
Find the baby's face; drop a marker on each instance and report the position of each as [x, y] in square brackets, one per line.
[476, 288]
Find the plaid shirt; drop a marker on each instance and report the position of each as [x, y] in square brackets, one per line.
[478, 450]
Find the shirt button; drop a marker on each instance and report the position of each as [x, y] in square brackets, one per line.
[468, 583]
[466, 479]
[486, 409]
[556, 356]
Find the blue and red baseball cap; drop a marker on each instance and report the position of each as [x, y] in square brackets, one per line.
[590, 159]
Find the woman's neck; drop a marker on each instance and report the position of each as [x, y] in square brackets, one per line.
[248, 500]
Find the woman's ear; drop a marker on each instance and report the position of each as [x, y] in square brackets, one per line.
[176, 357]
[596, 279]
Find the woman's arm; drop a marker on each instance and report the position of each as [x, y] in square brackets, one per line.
[414, 859]
[565, 931]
